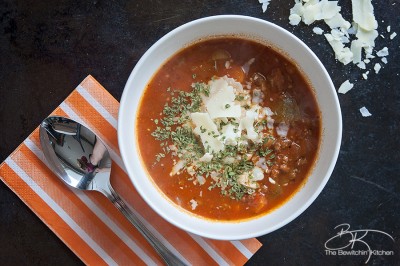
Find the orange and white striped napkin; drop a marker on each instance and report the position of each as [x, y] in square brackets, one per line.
[87, 222]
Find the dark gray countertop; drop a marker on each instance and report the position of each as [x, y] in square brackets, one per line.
[48, 47]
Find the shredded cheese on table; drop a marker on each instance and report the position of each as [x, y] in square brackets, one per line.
[364, 112]
[345, 87]
[352, 42]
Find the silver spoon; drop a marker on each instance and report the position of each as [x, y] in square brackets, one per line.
[81, 160]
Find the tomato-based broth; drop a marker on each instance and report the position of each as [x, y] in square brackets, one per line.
[228, 128]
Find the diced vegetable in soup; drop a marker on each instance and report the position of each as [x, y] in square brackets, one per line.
[228, 129]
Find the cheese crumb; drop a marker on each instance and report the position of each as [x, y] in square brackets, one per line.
[388, 28]
[294, 19]
[384, 60]
[394, 34]
[318, 30]
[201, 179]
[364, 112]
[361, 65]
[282, 129]
[265, 4]
[257, 174]
[193, 204]
[365, 75]
[177, 167]
[377, 68]
[345, 87]
[356, 48]
[383, 52]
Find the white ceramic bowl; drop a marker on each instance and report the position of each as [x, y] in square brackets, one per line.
[254, 29]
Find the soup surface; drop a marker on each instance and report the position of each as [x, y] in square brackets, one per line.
[228, 128]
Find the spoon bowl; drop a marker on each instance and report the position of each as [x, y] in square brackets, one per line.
[79, 158]
[69, 147]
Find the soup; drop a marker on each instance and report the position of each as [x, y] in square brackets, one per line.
[228, 128]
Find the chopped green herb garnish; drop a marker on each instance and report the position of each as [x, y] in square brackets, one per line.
[239, 98]
[174, 130]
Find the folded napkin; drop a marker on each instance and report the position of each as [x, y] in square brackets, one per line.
[87, 222]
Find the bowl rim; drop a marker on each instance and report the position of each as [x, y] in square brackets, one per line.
[235, 235]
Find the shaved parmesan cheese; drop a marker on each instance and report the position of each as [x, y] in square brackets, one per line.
[268, 111]
[177, 167]
[207, 157]
[394, 34]
[361, 65]
[356, 47]
[318, 30]
[295, 14]
[258, 96]
[262, 163]
[265, 4]
[282, 129]
[319, 10]
[201, 179]
[384, 60]
[193, 204]
[388, 28]
[345, 87]
[246, 66]
[364, 27]
[230, 134]
[294, 19]
[310, 13]
[244, 180]
[190, 170]
[363, 14]
[208, 132]
[221, 103]
[340, 35]
[383, 52]
[337, 21]
[257, 174]
[328, 9]
[364, 112]
[365, 75]
[367, 37]
[377, 68]
[270, 122]
[247, 123]
[236, 85]
[343, 54]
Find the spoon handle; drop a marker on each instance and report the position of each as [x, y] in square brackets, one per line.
[168, 257]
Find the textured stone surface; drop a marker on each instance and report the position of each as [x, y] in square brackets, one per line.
[48, 47]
